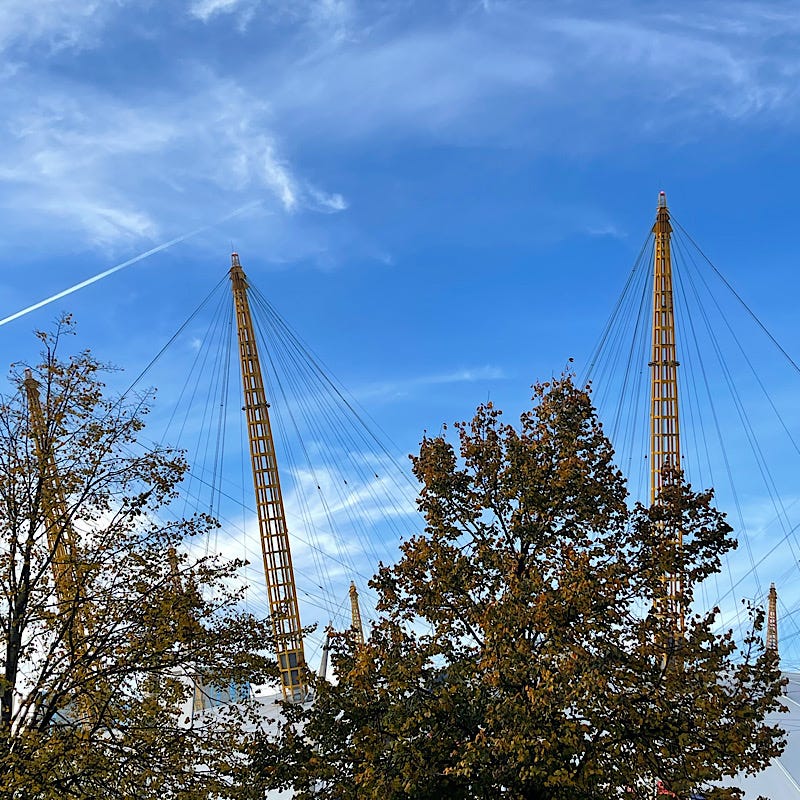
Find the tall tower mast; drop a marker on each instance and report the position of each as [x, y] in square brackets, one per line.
[61, 539]
[665, 453]
[772, 620]
[60, 534]
[355, 612]
[278, 570]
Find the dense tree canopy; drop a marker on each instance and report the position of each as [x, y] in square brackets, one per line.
[520, 651]
[96, 669]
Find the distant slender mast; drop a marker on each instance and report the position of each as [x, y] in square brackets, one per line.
[278, 570]
[61, 541]
[355, 615]
[60, 534]
[665, 452]
[772, 620]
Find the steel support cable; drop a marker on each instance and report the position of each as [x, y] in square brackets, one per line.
[690, 403]
[694, 340]
[786, 575]
[633, 414]
[768, 479]
[362, 499]
[280, 372]
[795, 607]
[628, 413]
[619, 415]
[694, 406]
[788, 615]
[759, 562]
[198, 371]
[330, 468]
[352, 442]
[709, 395]
[286, 366]
[743, 418]
[200, 358]
[252, 511]
[212, 421]
[595, 359]
[781, 511]
[632, 428]
[316, 574]
[327, 377]
[258, 573]
[308, 394]
[152, 362]
[619, 338]
[738, 297]
[243, 500]
[787, 642]
[305, 356]
[221, 401]
[218, 389]
[602, 368]
[691, 348]
[167, 516]
[349, 500]
[600, 348]
[273, 377]
[340, 437]
[760, 459]
[193, 473]
[219, 445]
[739, 345]
[337, 435]
[229, 524]
[195, 370]
[172, 339]
[321, 641]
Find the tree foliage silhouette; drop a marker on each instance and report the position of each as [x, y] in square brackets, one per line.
[95, 671]
[519, 650]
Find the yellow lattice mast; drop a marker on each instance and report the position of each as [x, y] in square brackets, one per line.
[355, 611]
[665, 452]
[60, 534]
[772, 620]
[278, 571]
[61, 539]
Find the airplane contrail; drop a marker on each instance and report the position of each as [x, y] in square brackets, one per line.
[128, 263]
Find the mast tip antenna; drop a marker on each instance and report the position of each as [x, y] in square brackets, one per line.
[662, 199]
[235, 260]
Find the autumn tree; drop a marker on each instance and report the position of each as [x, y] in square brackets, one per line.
[107, 624]
[520, 650]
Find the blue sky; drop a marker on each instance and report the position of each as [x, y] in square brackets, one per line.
[444, 199]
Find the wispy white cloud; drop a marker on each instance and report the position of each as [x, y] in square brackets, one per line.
[323, 201]
[205, 9]
[54, 24]
[114, 167]
[117, 176]
[407, 386]
[536, 77]
[688, 62]
[429, 82]
[331, 15]
[608, 229]
[336, 536]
